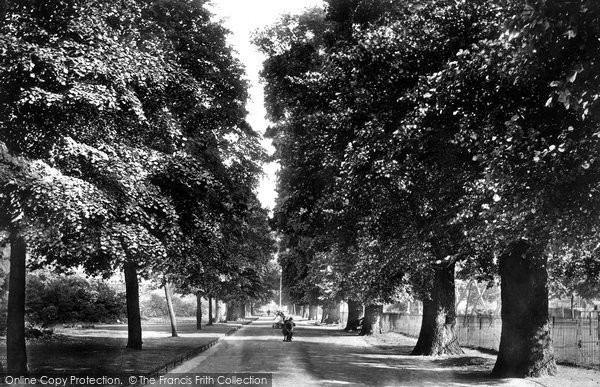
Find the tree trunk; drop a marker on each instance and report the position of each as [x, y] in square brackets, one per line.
[466, 316]
[210, 311]
[242, 307]
[217, 310]
[134, 321]
[198, 311]
[355, 310]
[572, 306]
[372, 320]
[15, 325]
[333, 313]
[437, 336]
[172, 317]
[525, 342]
[312, 312]
[231, 313]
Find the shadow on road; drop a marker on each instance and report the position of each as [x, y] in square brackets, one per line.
[331, 356]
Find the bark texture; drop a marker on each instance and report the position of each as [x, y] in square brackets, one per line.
[331, 313]
[198, 311]
[16, 362]
[437, 336]
[233, 311]
[210, 311]
[355, 310]
[525, 342]
[312, 312]
[172, 317]
[134, 321]
[372, 320]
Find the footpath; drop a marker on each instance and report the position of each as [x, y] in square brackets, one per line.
[318, 356]
[327, 356]
[475, 362]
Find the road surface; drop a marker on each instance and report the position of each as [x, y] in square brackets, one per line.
[322, 356]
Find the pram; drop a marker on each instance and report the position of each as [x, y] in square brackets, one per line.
[279, 317]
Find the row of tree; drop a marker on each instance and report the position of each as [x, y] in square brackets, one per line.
[124, 146]
[420, 140]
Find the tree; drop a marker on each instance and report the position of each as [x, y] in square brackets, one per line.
[534, 144]
[368, 147]
[101, 100]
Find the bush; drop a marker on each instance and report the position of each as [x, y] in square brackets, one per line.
[154, 304]
[37, 332]
[67, 299]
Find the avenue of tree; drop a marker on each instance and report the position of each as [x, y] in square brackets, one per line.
[124, 147]
[424, 140]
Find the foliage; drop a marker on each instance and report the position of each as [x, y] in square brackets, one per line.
[154, 304]
[123, 136]
[355, 175]
[55, 299]
[420, 134]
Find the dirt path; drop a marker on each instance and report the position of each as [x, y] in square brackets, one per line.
[476, 362]
[321, 356]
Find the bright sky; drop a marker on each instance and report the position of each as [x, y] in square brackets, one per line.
[242, 17]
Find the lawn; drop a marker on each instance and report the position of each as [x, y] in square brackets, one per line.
[101, 350]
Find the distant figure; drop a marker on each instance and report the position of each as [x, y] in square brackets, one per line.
[288, 329]
[269, 313]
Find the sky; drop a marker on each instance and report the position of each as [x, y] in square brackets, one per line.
[242, 17]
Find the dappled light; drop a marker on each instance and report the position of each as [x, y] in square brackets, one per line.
[334, 192]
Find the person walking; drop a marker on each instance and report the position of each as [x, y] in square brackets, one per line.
[288, 329]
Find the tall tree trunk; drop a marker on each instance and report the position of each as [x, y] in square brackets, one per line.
[525, 342]
[437, 336]
[242, 307]
[172, 317]
[333, 313]
[355, 310]
[132, 294]
[252, 309]
[572, 306]
[312, 312]
[15, 325]
[210, 311]
[217, 310]
[372, 320]
[466, 316]
[199, 311]
[231, 313]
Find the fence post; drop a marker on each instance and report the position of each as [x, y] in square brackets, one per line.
[579, 342]
[598, 325]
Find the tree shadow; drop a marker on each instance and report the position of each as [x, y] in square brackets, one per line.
[335, 357]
